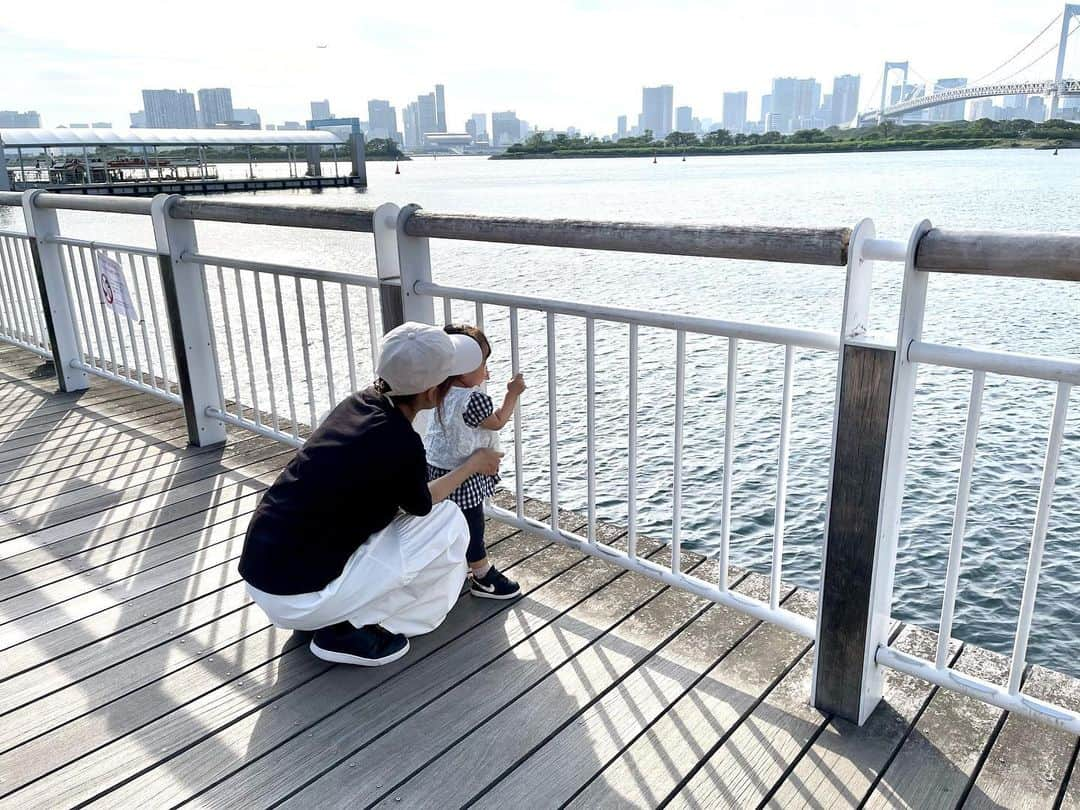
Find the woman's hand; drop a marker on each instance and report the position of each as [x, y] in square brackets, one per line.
[485, 461]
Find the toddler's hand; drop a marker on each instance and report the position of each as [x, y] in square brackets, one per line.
[516, 385]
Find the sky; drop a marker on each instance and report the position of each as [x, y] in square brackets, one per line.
[557, 64]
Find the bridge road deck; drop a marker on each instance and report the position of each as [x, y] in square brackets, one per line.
[135, 672]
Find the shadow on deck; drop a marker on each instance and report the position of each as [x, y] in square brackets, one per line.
[136, 671]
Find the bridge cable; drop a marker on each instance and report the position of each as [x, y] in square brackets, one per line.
[1017, 54]
[1038, 59]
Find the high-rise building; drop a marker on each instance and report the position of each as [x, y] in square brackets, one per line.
[10, 119]
[479, 126]
[948, 112]
[248, 117]
[382, 120]
[794, 99]
[169, 109]
[684, 119]
[440, 109]
[774, 122]
[138, 119]
[320, 110]
[506, 128]
[766, 106]
[845, 100]
[984, 108]
[1036, 109]
[427, 114]
[735, 111]
[411, 126]
[620, 127]
[656, 108]
[215, 106]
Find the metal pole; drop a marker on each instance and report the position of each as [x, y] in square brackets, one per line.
[189, 322]
[251, 170]
[43, 226]
[146, 163]
[22, 168]
[336, 170]
[157, 163]
[292, 168]
[86, 165]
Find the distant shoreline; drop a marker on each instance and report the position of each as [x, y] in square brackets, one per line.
[783, 149]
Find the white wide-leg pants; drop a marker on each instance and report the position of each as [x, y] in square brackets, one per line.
[405, 578]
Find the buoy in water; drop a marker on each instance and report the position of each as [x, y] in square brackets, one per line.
[1055, 152]
[397, 168]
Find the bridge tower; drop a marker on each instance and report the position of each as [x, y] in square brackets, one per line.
[889, 68]
[1071, 10]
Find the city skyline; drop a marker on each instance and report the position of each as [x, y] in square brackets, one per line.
[56, 73]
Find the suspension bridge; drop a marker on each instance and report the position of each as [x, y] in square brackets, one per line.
[992, 84]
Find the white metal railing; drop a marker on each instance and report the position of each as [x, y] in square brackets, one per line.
[22, 320]
[137, 353]
[279, 331]
[681, 325]
[288, 332]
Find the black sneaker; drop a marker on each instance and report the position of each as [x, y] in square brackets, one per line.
[370, 646]
[494, 585]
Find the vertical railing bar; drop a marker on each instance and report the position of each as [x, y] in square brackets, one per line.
[64, 270]
[676, 486]
[29, 327]
[781, 479]
[248, 360]
[7, 290]
[227, 320]
[349, 353]
[11, 280]
[373, 334]
[268, 366]
[1038, 537]
[88, 356]
[729, 454]
[285, 356]
[480, 315]
[590, 424]
[163, 358]
[304, 346]
[448, 315]
[327, 358]
[553, 423]
[956, 544]
[119, 331]
[142, 321]
[104, 314]
[515, 368]
[131, 326]
[91, 291]
[39, 306]
[213, 338]
[29, 281]
[631, 447]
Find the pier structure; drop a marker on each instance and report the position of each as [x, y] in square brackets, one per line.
[634, 672]
[91, 161]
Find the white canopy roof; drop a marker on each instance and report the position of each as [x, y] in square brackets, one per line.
[37, 138]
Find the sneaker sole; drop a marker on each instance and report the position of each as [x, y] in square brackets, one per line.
[485, 595]
[344, 658]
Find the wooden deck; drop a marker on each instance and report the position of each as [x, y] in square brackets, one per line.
[135, 672]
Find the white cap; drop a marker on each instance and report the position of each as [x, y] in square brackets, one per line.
[415, 357]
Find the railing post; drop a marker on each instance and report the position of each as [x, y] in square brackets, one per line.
[189, 322]
[384, 230]
[42, 225]
[414, 263]
[871, 427]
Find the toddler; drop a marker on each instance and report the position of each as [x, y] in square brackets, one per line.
[467, 421]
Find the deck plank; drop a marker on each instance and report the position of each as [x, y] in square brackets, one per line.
[652, 767]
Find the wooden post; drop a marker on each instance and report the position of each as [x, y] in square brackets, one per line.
[872, 425]
[42, 224]
[189, 322]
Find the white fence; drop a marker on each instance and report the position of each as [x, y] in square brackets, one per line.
[278, 365]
